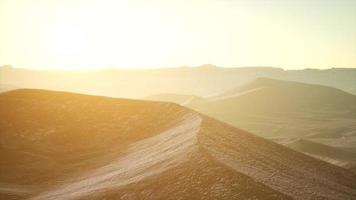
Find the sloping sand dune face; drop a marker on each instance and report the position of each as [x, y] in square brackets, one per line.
[284, 170]
[47, 137]
[142, 159]
[125, 149]
[170, 165]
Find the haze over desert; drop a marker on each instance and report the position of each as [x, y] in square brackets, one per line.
[180, 100]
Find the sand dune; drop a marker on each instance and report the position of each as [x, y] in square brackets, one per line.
[70, 146]
[286, 111]
[337, 155]
[174, 98]
[10, 191]
[142, 159]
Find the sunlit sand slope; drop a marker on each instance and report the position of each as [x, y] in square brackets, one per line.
[67, 146]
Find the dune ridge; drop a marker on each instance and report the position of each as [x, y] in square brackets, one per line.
[169, 152]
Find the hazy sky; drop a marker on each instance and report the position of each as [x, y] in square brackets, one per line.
[162, 33]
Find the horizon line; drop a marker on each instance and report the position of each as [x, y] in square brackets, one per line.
[10, 66]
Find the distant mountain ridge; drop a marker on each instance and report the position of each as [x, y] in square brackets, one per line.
[205, 80]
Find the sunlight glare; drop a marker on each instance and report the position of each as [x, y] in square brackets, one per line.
[66, 39]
